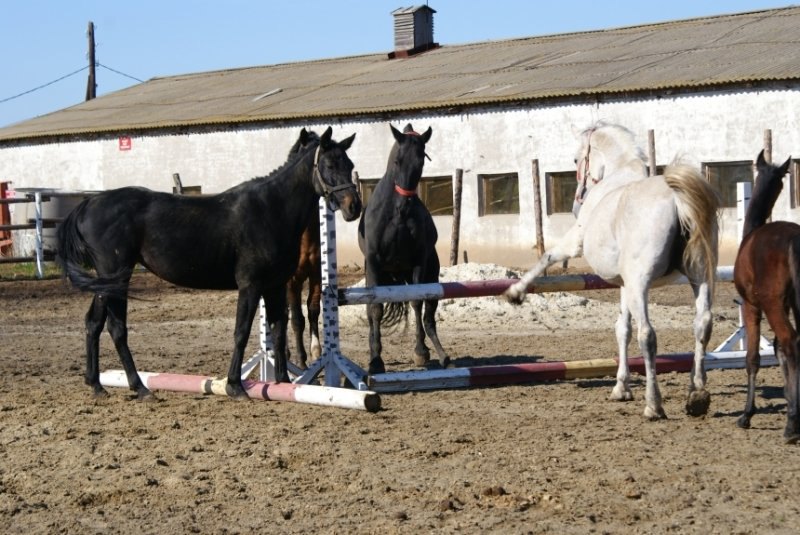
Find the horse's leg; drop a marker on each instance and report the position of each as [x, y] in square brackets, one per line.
[429, 320]
[622, 390]
[313, 306]
[787, 353]
[375, 315]
[95, 321]
[246, 307]
[751, 316]
[699, 399]
[422, 354]
[636, 297]
[294, 294]
[275, 303]
[118, 328]
[570, 246]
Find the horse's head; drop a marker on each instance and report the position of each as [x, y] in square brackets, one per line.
[605, 149]
[333, 175]
[769, 183]
[407, 159]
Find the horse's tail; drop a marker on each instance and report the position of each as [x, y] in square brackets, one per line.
[698, 208]
[394, 313]
[73, 253]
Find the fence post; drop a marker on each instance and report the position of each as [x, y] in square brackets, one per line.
[537, 207]
[456, 231]
[39, 245]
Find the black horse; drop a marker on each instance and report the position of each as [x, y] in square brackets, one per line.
[245, 238]
[398, 238]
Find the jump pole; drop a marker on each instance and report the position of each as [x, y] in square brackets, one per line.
[506, 374]
[345, 398]
[453, 290]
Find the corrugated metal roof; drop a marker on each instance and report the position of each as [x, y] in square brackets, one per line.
[709, 51]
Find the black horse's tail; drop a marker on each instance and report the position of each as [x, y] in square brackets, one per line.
[73, 253]
[394, 314]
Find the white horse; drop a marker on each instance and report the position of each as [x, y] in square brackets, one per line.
[638, 231]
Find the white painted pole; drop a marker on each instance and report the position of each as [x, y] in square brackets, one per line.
[37, 197]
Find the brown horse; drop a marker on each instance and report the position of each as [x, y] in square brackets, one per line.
[309, 268]
[767, 276]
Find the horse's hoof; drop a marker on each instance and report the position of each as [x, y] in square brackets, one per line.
[236, 392]
[376, 366]
[100, 393]
[513, 296]
[619, 394]
[421, 360]
[446, 363]
[655, 414]
[743, 422]
[145, 396]
[792, 438]
[698, 403]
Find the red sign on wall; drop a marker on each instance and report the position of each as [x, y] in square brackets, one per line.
[125, 143]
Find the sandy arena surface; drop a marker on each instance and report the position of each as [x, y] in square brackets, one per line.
[544, 457]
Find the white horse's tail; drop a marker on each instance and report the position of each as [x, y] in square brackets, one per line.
[698, 207]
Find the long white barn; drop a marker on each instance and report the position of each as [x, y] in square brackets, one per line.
[708, 89]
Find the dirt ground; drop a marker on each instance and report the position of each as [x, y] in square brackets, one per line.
[547, 457]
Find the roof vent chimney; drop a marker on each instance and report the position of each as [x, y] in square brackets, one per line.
[413, 31]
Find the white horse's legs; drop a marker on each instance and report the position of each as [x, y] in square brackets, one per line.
[646, 336]
[622, 390]
[569, 247]
[699, 398]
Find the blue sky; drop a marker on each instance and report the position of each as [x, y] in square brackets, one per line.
[44, 40]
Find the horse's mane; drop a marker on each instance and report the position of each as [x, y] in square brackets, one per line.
[296, 154]
[606, 135]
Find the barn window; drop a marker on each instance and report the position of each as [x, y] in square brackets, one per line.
[723, 176]
[561, 186]
[499, 194]
[436, 193]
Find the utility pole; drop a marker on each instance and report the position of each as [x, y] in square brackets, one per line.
[91, 85]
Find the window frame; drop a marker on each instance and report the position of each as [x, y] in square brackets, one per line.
[482, 194]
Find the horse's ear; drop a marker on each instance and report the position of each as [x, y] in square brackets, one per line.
[345, 143]
[761, 161]
[326, 137]
[785, 167]
[408, 128]
[304, 137]
[398, 136]
[427, 135]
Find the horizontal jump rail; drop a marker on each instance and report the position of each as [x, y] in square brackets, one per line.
[452, 290]
[548, 371]
[197, 384]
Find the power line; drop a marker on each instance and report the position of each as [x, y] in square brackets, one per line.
[44, 85]
[65, 77]
[118, 72]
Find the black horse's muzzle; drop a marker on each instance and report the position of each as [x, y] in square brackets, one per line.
[345, 197]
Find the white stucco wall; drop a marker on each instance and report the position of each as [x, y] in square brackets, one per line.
[701, 128]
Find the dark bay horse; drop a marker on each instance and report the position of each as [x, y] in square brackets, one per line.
[767, 276]
[245, 238]
[398, 238]
[309, 268]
